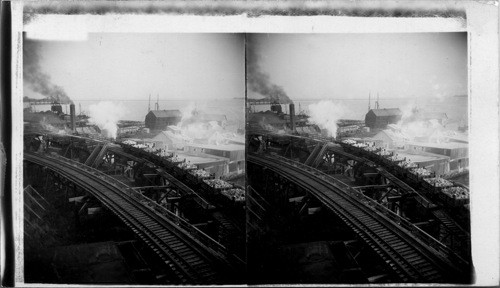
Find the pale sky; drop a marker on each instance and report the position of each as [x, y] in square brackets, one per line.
[113, 66]
[348, 66]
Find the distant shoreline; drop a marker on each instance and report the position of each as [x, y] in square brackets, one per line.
[361, 99]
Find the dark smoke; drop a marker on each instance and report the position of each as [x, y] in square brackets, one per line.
[34, 76]
[258, 81]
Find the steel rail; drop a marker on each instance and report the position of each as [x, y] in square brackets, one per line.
[411, 259]
[373, 204]
[190, 260]
[425, 198]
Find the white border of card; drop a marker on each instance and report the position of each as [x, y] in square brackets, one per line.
[481, 24]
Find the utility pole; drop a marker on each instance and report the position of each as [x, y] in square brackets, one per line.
[149, 103]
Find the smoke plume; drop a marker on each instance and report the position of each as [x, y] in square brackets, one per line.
[414, 125]
[408, 112]
[38, 80]
[106, 115]
[187, 113]
[258, 81]
[325, 114]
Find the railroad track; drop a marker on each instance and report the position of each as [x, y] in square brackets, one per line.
[410, 259]
[459, 234]
[190, 261]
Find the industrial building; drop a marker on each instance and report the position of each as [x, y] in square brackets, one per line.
[390, 139]
[129, 130]
[457, 152]
[436, 163]
[218, 166]
[160, 119]
[380, 118]
[171, 140]
[87, 130]
[235, 153]
[267, 120]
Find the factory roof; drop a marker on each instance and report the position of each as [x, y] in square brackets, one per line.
[237, 139]
[364, 139]
[445, 145]
[200, 159]
[394, 127]
[421, 156]
[458, 138]
[48, 117]
[174, 128]
[170, 135]
[286, 117]
[86, 130]
[386, 112]
[267, 117]
[225, 147]
[166, 113]
[306, 129]
[393, 135]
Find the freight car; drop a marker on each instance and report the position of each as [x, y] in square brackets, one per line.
[452, 196]
[206, 185]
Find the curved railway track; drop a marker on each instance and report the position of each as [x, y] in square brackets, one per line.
[461, 236]
[190, 261]
[410, 259]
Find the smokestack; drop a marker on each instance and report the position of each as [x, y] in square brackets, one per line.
[72, 115]
[292, 117]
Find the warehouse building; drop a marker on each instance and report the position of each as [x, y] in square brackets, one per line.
[212, 164]
[267, 120]
[380, 118]
[160, 119]
[457, 152]
[436, 163]
[391, 139]
[235, 153]
[170, 140]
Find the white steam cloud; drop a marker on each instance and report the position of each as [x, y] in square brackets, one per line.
[408, 111]
[187, 112]
[326, 114]
[106, 115]
[412, 126]
[200, 130]
[194, 126]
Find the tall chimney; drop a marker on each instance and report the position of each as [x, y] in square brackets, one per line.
[292, 117]
[72, 116]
